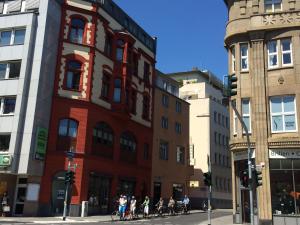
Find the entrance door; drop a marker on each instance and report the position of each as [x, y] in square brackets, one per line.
[156, 192]
[20, 196]
[245, 206]
[58, 193]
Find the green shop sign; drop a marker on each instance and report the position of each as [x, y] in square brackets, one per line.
[41, 143]
[5, 160]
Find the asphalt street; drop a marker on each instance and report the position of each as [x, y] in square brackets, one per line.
[191, 219]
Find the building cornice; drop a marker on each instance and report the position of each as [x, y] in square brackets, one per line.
[284, 144]
[240, 145]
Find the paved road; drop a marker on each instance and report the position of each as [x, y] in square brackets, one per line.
[219, 218]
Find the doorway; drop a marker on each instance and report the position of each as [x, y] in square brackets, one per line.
[245, 206]
[20, 197]
[156, 192]
[58, 193]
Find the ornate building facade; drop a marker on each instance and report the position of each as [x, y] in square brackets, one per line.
[102, 108]
[262, 39]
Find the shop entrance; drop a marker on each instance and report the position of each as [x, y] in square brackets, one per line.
[58, 193]
[245, 206]
[20, 196]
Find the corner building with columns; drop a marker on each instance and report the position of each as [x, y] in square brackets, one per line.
[102, 109]
[263, 42]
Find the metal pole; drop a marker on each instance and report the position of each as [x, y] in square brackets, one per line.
[66, 195]
[209, 194]
[249, 162]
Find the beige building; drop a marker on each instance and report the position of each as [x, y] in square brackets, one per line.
[170, 156]
[263, 41]
[209, 136]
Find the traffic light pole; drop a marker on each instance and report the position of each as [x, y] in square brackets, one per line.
[66, 194]
[249, 161]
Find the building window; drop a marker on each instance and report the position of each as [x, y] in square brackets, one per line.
[178, 128]
[283, 114]
[180, 154]
[273, 54]
[178, 107]
[4, 142]
[244, 57]
[117, 90]
[103, 134]
[105, 86]
[164, 122]
[164, 150]
[108, 45]
[235, 120]
[73, 75]
[146, 151]
[223, 120]
[120, 50]
[223, 140]
[133, 101]
[233, 64]
[10, 70]
[215, 116]
[219, 139]
[7, 105]
[12, 37]
[286, 50]
[246, 113]
[165, 100]
[67, 135]
[146, 107]
[216, 158]
[77, 30]
[227, 122]
[216, 135]
[146, 72]
[128, 142]
[219, 118]
[273, 6]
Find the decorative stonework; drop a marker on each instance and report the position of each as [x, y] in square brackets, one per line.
[284, 144]
[281, 19]
[281, 80]
[241, 145]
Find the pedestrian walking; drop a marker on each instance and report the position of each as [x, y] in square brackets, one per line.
[5, 204]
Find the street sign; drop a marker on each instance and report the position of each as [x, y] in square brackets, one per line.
[41, 143]
[5, 160]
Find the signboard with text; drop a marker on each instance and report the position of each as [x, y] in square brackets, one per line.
[284, 153]
[41, 143]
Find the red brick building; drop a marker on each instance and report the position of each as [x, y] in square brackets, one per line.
[102, 108]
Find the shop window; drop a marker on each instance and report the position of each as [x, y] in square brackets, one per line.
[273, 6]
[117, 90]
[10, 70]
[4, 142]
[283, 114]
[105, 86]
[180, 154]
[244, 57]
[164, 150]
[77, 30]
[73, 75]
[7, 105]
[146, 107]
[67, 135]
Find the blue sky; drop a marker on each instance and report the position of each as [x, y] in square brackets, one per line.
[190, 32]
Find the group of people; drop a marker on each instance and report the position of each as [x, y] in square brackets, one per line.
[5, 208]
[124, 202]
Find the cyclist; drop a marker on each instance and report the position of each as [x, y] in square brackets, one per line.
[171, 206]
[160, 206]
[146, 206]
[132, 207]
[186, 202]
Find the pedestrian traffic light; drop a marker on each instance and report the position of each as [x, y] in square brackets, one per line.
[70, 177]
[257, 175]
[207, 178]
[244, 178]
[232, 85]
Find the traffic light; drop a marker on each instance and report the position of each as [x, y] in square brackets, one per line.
[257, 175]
[70, 177]
[244, 178]
[207, 178]
[232, 85]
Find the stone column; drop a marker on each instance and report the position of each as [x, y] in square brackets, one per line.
[259, 111]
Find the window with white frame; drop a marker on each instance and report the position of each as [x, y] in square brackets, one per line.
[7, 105]
[10, 70]
[283, 114]
[233, 59]
[244, 57]
[14, 36]
[272, 54]
[286, 50]
[273, 5]
[235, 121]
[246, 113]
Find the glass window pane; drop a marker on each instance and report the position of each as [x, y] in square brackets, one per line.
[296, 164]
[63, 127]
[274, 164]
[277, 7]
[272, 47]
[273, 60]
[244, 50]
[3, 67]
[287, 59]
[245, 106]
[4, 142]
[117, 95]
[72, 128]
[288, 104]
[277, 123]
[286, 45]
[5, 37]
[19, 37]
[244, 64]
[276, 105]
[14, 69]
[297, 190]
[247, 122]
[9, 105]
[290, 123]
[119, 54]
[286, 164]
[70, 80]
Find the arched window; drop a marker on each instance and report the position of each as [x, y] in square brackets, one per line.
[103, 134]
[67, 135]
[77, 30]
[128, 142]
[73, 75]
